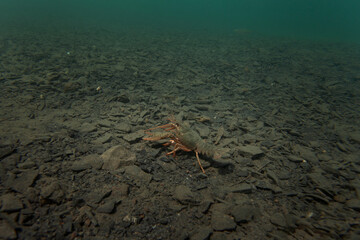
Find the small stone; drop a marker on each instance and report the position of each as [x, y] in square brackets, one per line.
[27, 164]
[124, 127]
[87, 162]
[183, 194]
[104, 123]
[87, 128]
[107, 207]
[295, 159]
[354, 204]
[355, 136]
[117, 157]
[79, 166]
[24, 180]
[134, 137]
[11, 203]
[242, 188]
[97, 195]
[222, 222]
[124, 98]
[278, 219]
[251, 151]
[201, 233]
[243, 214]
[53, 192]
[6, 231]
[104, 139]
[137, 174]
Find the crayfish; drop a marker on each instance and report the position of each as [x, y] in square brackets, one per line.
[181, 137]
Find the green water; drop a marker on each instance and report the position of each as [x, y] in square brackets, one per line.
[336, 20]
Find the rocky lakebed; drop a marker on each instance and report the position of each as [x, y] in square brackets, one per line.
[283, 115]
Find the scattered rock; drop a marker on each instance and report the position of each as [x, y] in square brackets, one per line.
[134, 137]
[53, 192]
[253, 152]
[97, 195]
[27, 164]
[222, 222]
[23, 180]
[354, 204]
[295, 159]
[104, 123]
[124, 98]
[117, 157]
[87, 128]
[107, 207]
[243, 214]
[201, 233]
[278, 219]
[104, 139]
[242, 188]
[10, 203]
[87, 162]
[184, 195]
[123, 127]
[135, 173]
[7, 231]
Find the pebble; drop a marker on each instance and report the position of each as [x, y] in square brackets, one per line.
[138, 175]
[123, 127]
[242, 188]
[6, 231]
[183, 194]
[23, 180]
[243, 214]
[354, 204]
[222, 222]
[201, 233]
[134, 137]
[117, 157]
[10, 203]
[107, 207]
[253, 152]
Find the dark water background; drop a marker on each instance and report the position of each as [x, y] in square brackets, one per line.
[306, 19]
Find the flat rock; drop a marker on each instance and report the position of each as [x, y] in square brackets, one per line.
[97, 195]
[104, 123]
[295, 159]
[354, 204]
[87, 162]
[201, 233]
[183, 194]
[243, 214]
[123, 127]
[222, 222]
[107, 137]
[135, 173]
[250, 151]
[278, 219]
[117, 157]
[27, 164]
[107, 207]
[87, 128]
[10, 203]
[53, 192]
[242, 188]
[355, 136]
[23, 180]
[7, 231]
[134, 137]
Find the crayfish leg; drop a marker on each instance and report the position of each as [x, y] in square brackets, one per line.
[198, 159]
